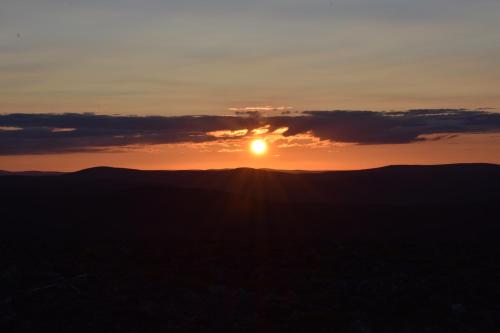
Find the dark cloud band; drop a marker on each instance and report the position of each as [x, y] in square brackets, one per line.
[59, 133]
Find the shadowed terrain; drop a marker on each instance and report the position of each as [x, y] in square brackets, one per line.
[394, 249]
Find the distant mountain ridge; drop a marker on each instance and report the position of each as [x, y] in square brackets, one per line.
[111, 170]
[106, 170]
[404, 184]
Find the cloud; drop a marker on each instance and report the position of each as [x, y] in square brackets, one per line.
[281, 130]
[261, 130]
[228, 133]
[42, 133]
[71, 132]
[10, 128]
[62, 130]
[254, 114]
[261, 108]
[369, 127]
[306, 140]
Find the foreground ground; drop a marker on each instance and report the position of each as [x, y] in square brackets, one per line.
[114, 251]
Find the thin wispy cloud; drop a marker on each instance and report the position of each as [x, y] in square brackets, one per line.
[261, 108]
[10, 128]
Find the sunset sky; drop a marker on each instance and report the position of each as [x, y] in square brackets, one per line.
[188, 84]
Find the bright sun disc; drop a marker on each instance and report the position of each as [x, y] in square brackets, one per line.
[258, 147]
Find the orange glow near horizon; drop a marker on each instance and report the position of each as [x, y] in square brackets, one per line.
[303, 152]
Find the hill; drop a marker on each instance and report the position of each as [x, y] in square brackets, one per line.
[451, 184]
[400, 248]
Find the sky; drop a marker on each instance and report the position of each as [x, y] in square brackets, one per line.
[248, 65]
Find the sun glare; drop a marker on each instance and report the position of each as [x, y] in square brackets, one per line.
[258, 146]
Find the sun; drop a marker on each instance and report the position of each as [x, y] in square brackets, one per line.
[258, 146]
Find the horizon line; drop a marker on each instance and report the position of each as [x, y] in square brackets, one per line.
[248, 168]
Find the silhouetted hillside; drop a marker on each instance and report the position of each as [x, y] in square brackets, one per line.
[394, 249]
[389, 185]
[397, 201]
[450, 184]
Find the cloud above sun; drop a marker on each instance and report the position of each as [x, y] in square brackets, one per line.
[22, 134]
